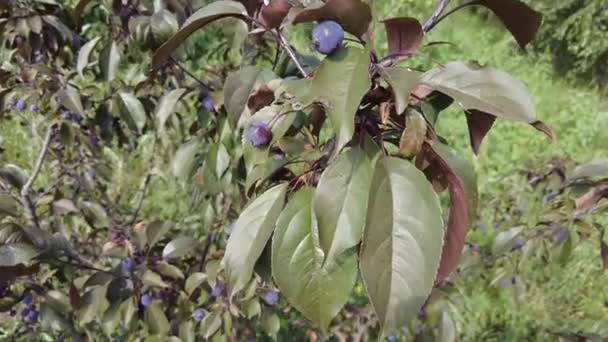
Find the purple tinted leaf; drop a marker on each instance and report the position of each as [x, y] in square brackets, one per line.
[275, 12]
[404, 36]
[353, 15]
[479, 124]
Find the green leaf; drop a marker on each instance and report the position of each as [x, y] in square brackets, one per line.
[109, 58]
[402, 82]
[402, 242]
[166, 106]
[270, 323]
[213, 11]
[14, 175]
[155, 318]
[70, 99]
[181, 165]
[169, 270]
[179, 247]
[413, 135]
[339, 85]
[84, 53]
[485, 89]
[8, 206]
[135, 109]
[93, 302]
[340, 202]
[163, 24]
[210, 324]
[155, 231]
[316, 289]
[447, 330]
[153, 279]
[58, 301]
[594, 171]
[53, 320]
[13, 254]
[503, 241]
[111, 318]
[186, 331]
[239, 85]
[249, 236]
[218, 159]
[96, 214]
[194, 281]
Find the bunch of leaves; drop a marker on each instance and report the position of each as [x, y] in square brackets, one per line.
[346, 174]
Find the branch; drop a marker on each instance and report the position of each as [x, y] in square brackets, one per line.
[457, 8]
[432, 20]
[185, 71]
[285, 45]
[39, 162]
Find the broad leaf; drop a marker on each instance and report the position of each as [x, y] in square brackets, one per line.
[274, 13]
[249, 236]
[316, 289]
[354, 16]
[340, 202]
[522, 21]
[339, 85]
[402, 82]
[70, 99]
[136, 114]
[453, 171]
[194, 281]
[210, 324]
[156, 320]
[413, 135]
[8, 205]
[155, 231]
[181, 165]
[485, 89]
[402, 242]
[594, 170]
[239, 85]
[479, 124]
[179, 247]
[213, 11]
[108, 60]
[404, 36]
[14, 175]
[95, 214]
[13, 254]
[166, 106]
[84, 53]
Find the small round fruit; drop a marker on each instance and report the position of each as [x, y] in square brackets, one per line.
[145, 300]
[20, 105]
[34, 108]
[271, 297]
[198, 315]
[258, 134]
[327, 36]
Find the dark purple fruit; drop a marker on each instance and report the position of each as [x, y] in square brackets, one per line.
[258, 134]
[327, 36]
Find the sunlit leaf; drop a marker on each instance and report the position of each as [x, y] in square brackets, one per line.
[179, 247]
[166, 106]
[319, 290]
[402, 242]
[136, 114]
[109, 58]
[156, 320]
[12, 254]
[402, 82]
[249, 236]
[84, 53]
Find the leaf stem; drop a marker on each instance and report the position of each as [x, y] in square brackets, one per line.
[185, 71]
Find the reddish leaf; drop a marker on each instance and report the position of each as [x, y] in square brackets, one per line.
[589, 200]
[9, 273]
[355, 16]
[252, 6]
[479, 125]
[75, 298]
[404, 36]
[260, 98]
[275, 12]
[458, 220]
[522, 21]
[541, 126]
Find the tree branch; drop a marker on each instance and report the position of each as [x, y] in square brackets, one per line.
[43, 150]
[432, 20]
[185, 71]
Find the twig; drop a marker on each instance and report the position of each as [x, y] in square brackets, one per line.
[432, 20]
[185, 71]
[448, 13]
[285, 45]
[39, 162]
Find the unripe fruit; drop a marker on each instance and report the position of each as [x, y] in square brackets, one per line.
[327, 36]
[258, 134]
